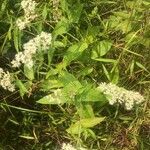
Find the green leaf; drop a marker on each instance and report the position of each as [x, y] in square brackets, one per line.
[29, 72]
[3, 7]
[122, 14]
[56, 98]
[58, 44]
[74, 52]
[105, 60]
[16, 38]
[13, 121]
[85, 71]
[64, 5]
[10, 29]
[65, 78]
[72, 89]
[132, 67]
[70, 83]
[22, 88]
[101, 48]
[91, 122]
[85, 110]
[75, 12]
[27, 137]
[141, 66]
[79, 126]
[146, 2]
[49, 84]
[119, 23]
[125, 26]
[106, 73]
[51, 72]
[61, 27]
[93, 31]
[50, 56]
[44, 12]
[115, 75]
[90, 94]
[94, 95]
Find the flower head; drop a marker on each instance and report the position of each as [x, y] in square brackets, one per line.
[22, 23]
[28, 7]
[70, 147]
[120, 95]
[6, 81]
[40, 42]
[67, 147]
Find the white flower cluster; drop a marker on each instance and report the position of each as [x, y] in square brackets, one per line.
[67, 147]
[5, 80]
[40, 42]
[70, 147]
[29, 13]
[120, 95]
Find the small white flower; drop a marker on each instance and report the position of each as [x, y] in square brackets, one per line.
[29, 13]
[22, 23]
[5, 81]
[15, 63]
[70, 147]
[29, 63]
[116, 94]
[81, 148]
[30, 47]
[67, 147]
[28, 6]
[40, 42]
[43, 40]
[19, 57]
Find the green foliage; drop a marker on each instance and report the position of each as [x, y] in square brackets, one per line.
[22, 88]
[81, 125]
[101, 48]
[74, 52]
[29, 72]
[57, 99]
[61, 27]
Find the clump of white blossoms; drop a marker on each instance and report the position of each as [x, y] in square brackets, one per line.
[28, 7]
[120, 95]
[6, 81]
[40, 42]
[70, 147]
[67, 147]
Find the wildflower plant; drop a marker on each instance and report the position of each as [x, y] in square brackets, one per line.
[28, 7]
[39, 43]
[67, 60]
[6, 81]
[120, 95]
